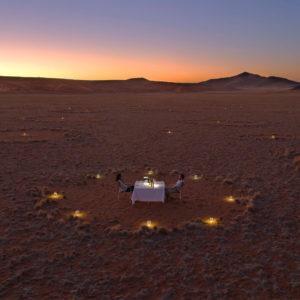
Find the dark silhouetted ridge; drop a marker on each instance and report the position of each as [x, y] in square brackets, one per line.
[240, 82]
[245, 74]
[248, 81]
[138, 79]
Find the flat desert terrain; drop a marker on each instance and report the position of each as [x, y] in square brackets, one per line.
[240, 144]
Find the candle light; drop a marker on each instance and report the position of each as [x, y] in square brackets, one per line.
[149, 224]
[55, 196]
[76, 213]
[24, 134]
[273, 137]
[230, 199]
[211, 221]
[196, 177]
[98, 176]
[150, 172]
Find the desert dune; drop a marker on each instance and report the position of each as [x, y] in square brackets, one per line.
[244, 144]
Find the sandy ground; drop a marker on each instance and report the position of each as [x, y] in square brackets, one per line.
[242, 144]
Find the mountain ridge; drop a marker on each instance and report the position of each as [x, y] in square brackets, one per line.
[244, 81]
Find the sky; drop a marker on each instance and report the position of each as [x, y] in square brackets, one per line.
[168, 40]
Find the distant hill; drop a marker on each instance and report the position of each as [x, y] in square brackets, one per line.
[248, 81]
[49, 85]
[243, 81]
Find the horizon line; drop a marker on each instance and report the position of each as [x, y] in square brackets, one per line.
[144, 78]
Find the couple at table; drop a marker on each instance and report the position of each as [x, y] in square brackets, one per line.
[126, 187]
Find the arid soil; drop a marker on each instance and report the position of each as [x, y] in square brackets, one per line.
[242, 144]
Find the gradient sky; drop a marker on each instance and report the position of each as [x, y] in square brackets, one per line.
[170, 40]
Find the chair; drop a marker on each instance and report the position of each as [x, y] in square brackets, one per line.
[120, 189]
[177, 190]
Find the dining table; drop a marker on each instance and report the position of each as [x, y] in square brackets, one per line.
[148, 192]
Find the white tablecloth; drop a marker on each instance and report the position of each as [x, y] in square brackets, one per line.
[147, 193]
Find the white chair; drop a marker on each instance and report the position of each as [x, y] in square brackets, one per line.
[121, 189]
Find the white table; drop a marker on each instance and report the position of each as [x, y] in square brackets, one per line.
[146, 193]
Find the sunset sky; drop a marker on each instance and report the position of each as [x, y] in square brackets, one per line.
[169, 40]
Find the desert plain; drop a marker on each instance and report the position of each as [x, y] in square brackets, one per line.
[240, 144]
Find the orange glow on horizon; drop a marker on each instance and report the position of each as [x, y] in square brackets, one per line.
[184, 43]
[60, 62]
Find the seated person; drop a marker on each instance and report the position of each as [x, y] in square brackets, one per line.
[177, 186]
[123, 187]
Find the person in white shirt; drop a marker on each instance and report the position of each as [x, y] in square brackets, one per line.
[123, 187]
[176, 187]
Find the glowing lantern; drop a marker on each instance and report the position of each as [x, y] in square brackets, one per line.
[196, 177]
[211, 221]
[150, 172]
[24, 134]
[230, 199]
[77, 214]
[149, 224]
[55, 196]
[98, 176]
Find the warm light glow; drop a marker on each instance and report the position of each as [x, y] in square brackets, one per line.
[197, 177]
[57, 61]
[62, 118]
[24, 134]
[78, 214]
[273, 137]
[230, 199]
[211, 221]
[128, 47]
[150, 184]
[149, 224]
[99, 176]
[150, 172]
[55, 196]
[169, 132]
